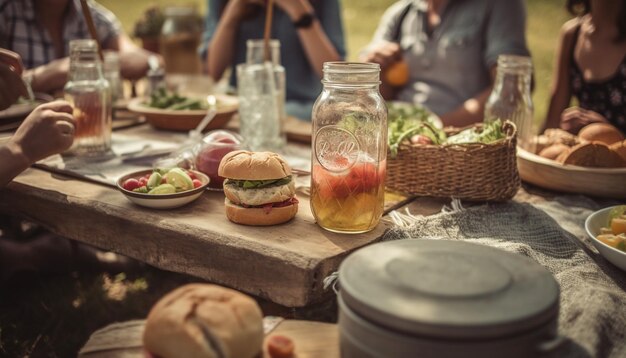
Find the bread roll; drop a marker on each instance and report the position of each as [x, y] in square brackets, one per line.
[204, 321]
[596, 155]
[600, 132]
[563, 155]
[553, 151]
[620, 149]
[557, 135]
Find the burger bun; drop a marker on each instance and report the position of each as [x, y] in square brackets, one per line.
[259, 216]
[245, 165]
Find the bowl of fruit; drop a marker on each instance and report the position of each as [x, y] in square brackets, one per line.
[607, 229]
[163, 188]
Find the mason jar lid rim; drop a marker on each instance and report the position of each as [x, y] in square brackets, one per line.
[351, 67]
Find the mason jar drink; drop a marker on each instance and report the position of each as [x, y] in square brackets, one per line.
[349, 149]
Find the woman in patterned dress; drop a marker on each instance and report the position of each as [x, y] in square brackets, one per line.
[591, 66]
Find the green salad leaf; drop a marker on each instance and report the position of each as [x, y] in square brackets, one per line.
[257, 184]
[406, 120]
[491, 132]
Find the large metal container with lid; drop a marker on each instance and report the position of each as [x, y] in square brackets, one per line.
[439, 298]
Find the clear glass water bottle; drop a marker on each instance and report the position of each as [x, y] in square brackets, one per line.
[88, 92]
[511, 99]
[349, 154]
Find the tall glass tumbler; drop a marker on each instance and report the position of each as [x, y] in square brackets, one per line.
[261, 89]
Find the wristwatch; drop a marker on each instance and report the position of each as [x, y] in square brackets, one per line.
[305, 21]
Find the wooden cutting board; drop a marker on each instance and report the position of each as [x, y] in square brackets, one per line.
[123, 340]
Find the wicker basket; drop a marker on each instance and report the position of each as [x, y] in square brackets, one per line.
[480, 172]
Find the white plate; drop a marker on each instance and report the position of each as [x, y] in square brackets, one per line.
[166, 201]
[594, 222]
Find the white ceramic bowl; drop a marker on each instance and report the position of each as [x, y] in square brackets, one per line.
[165, 201]
[593, 224]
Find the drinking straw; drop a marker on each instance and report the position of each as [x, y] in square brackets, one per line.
[268, 28]
[91, 26]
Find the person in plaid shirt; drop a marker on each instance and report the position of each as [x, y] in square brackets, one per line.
[40, 32]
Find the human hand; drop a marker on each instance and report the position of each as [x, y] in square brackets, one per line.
[134, 64]
[237, 10]
[384, 53]
[11, 84]
[573, 119]
[48, 130]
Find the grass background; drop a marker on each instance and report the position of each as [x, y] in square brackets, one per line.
[361, 17]
[54, 316]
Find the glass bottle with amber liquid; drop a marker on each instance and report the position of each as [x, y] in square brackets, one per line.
[179, 41]
[349, 149]
[88, 92]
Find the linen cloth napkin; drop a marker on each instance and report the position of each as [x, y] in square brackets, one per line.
[593, 297]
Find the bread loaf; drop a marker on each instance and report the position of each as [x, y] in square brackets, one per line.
[204, 321]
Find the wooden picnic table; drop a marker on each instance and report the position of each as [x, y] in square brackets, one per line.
[285, 264]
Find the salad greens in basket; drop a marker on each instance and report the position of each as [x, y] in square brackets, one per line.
[415, 124]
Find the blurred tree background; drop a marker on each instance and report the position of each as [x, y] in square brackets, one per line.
[361, 18]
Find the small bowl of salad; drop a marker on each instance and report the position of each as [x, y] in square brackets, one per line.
[607, 229]
[163, 188]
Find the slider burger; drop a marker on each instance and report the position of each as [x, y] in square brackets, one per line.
[204, 321]
[259, 188]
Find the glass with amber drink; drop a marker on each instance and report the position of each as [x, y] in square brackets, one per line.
[349, 149]
[89, 93]
[179, 41]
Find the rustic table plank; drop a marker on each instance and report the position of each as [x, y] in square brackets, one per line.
[284, 264]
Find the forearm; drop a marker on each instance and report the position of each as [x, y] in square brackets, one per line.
[50, 77]
[553, 117]
[12, 163]
[221, 48]
[317, 47]
[470, 112]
